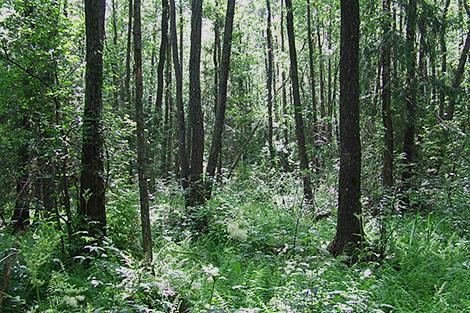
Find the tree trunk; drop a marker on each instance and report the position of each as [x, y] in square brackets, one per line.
[349, 232]
[127, 86]
[222, 95]
[285, 124]
[410, 99]
[442, 43]
[269, 81]
[92, 188]
[196, 195]
[299, 123]
[458, 78]
[114, 64]
[216, 59]
[182, 154]
[312, 73]
[387, 171]
[161, 63]
[139, 117]
[329, 107]
[167, 139]
[322, 85]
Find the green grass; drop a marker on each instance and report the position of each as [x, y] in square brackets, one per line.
[261, 253]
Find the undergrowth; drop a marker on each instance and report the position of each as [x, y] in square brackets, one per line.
[262, 252]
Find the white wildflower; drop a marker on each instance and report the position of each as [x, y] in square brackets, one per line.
[367, 273]
[236, 232]
[71, 301]
[211, 270]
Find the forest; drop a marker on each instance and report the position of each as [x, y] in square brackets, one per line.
[245, 156]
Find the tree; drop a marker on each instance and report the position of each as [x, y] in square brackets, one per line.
[349, 233]
[299, 123]
[161, 62]
[410, 101]
[387, 172]
[92, 188]
[182, 154]
[127, 83]
[139, 117]
[196, 193]
[312, 71]
[219, 124]
[269, 80]
[285, 126]
[443, 47]
[458, 75]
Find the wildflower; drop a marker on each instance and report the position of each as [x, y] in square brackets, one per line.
[211, 270]
[236, 232]
[367, 273]
[71, 301]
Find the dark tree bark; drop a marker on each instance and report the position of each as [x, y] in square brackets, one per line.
[443, 46]
[349, 233]
[410, 100]
[312, 73]
[269, 81]
[387, 171]
[216, 60]
[329, 106]
[285, 125]
[457, 80]
[181, 52]
[127, 85]
[167, 140]
[182, 154]
[219, 125]
[114, 62]
[322, 84]
[127, 79]
[92, 188]
[139, 117]
[299, 123]
[161, 63]
[196, 195]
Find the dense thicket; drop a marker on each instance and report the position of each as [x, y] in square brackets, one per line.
[190, 156]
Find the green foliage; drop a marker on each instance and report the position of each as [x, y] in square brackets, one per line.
[261, 253]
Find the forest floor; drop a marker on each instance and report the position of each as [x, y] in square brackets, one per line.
[262, 252]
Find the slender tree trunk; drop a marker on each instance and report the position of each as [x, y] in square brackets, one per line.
[387, 172]
[410, 99]
[222, 97]
[458, 76]
[285, 126]
[349, 232]
[127, 79]
[322, 84]
[299, 123]
[161, 62]
[269, 81]
[166, 144]
[443, 46]
[216, 59]
[182, 154]
[92, 188]
[114, 62]
[139, 116]
[196, 195]
[127, 85]
[312, 72]
[329, 108]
